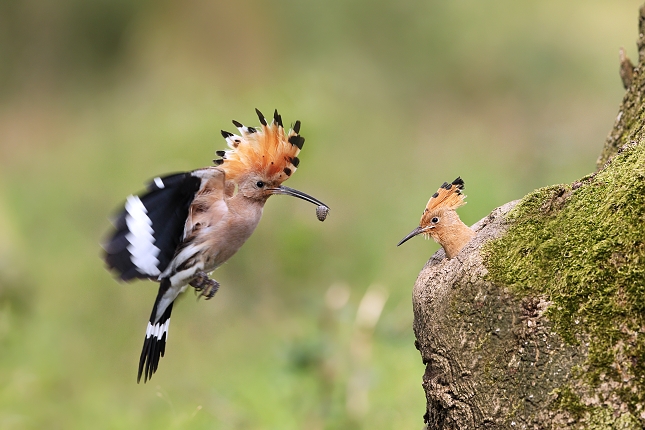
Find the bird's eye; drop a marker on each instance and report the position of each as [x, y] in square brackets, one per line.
[259, 184]
[435, 220]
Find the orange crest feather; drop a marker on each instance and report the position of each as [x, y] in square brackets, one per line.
[447, 197]
[267, 150]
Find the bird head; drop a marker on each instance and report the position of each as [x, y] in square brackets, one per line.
[440, 214]
[261, 158]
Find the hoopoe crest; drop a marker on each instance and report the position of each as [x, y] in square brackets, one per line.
[188, 224]
[265, 150]
[441, 222]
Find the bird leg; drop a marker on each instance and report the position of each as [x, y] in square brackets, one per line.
[205, 286]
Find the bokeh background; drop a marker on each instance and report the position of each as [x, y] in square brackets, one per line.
[312, 326]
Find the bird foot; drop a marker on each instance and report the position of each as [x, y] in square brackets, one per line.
[205, 286]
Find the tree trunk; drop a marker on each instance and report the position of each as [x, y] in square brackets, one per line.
[539, 322]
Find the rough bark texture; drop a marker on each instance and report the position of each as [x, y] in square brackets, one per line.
[539, 322]
[489, 355]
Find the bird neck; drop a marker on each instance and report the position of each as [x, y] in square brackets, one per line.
[454, 237]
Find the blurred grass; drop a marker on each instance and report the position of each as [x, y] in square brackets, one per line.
[394, 97]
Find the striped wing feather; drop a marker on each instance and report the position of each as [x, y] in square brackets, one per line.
[166, 205]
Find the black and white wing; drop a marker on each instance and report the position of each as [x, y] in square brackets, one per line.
[151, 226]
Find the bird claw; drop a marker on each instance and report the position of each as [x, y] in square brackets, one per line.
[205, 286]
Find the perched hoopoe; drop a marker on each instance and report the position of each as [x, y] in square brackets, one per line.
[188, 224]
[441, 222]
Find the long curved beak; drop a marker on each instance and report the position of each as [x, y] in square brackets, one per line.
[413, 233]
[295, 193]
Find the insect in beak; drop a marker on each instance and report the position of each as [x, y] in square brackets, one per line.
[321, 210]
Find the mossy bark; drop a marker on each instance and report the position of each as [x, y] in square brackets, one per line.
[539, 322]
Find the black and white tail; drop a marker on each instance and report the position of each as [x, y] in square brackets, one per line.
[154, 344]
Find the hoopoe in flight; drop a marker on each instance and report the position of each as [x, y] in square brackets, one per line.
[441, 222]
[188, 224]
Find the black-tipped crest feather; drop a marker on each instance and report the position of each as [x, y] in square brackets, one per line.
[263, 121]
[299, 141]
[277, 118]
[448, 196]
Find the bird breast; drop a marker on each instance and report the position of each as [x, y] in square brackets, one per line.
[224, 238]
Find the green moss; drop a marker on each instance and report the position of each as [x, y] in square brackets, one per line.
[594, 418]
[568, 400]
[583, 248]
[603, 418]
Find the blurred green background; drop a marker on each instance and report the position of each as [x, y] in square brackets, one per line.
[312, 326]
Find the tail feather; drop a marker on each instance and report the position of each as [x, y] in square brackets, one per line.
[154, 343]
